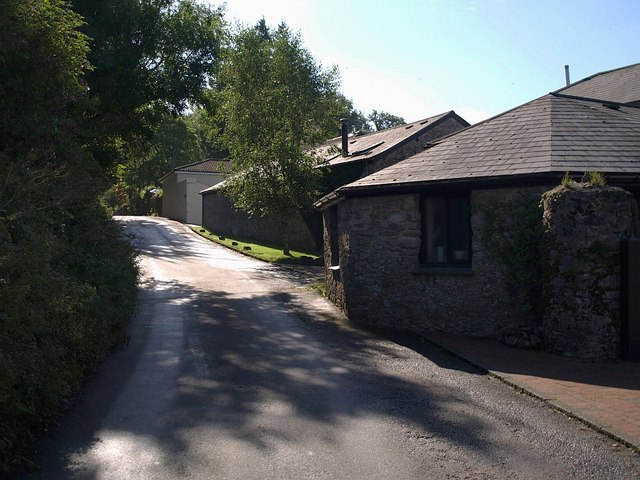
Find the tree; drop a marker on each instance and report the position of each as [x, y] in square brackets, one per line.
[67, 279]
[383, 120]
[359, 122]
[42, 62]
[149, 57]
[276, 100]
[144, 161]
[208, 128]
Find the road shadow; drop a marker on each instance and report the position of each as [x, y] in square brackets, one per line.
[261, 369]
[241, 355]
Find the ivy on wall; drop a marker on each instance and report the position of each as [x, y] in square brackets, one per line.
[513, 236]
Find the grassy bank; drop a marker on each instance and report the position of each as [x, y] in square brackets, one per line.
[267, 253]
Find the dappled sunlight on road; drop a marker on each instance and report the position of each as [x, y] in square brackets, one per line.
[235, 370]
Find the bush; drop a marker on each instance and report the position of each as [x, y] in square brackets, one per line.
[66, 294]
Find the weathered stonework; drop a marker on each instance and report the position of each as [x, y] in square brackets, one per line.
[379, 281]
[585, 228]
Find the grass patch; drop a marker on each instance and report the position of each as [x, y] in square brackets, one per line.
[320, 286]
[266, 253]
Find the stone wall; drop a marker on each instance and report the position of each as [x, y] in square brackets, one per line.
[379, 281]
[585, 227]
[220, 216]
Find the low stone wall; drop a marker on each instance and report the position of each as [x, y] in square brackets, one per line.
[220, 216]
[585, 226]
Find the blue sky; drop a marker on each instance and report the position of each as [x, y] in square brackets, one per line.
[417, 58]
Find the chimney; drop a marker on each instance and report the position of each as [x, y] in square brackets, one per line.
[345, 136]
[566, 75]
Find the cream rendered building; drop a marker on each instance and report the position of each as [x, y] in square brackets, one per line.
[181, 198]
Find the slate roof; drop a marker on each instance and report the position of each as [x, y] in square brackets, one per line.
[376, 144]
[210, 165]
[621, 85]
[205, 166]
[552, 134]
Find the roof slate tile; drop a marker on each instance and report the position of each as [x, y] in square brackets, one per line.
[550, 134]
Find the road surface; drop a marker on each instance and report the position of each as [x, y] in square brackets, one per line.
[234, 370]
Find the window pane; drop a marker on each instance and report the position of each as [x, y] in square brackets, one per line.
[459, 228]
[436, 231]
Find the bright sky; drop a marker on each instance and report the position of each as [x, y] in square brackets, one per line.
[418, 58]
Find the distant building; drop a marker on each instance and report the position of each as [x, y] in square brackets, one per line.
[369, 152]
[181, 198]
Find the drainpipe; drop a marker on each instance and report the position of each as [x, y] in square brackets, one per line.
[345, 136]
[566, 75]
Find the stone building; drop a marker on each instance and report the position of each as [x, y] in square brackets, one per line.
[358, 155]
[363, 154]
[221, 216]
[437, 242]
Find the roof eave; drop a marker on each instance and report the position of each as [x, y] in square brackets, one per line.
[541, 178]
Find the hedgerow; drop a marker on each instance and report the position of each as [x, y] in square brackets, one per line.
[67, 278]
[65, 299]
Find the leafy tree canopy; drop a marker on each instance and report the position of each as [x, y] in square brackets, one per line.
[375, 121]
[147, 57]
[208, 128]
[275, 101]
[145, 160]
[67, 280]
[42, 61]
[384, 120]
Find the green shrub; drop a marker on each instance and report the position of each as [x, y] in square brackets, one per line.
[596, 179]
[65, 298]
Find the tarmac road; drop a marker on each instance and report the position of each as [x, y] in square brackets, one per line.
[235, 371]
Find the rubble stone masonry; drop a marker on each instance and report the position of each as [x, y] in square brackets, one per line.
[378, 280]
[585, 227]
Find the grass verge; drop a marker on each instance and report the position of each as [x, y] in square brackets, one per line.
[261, 252]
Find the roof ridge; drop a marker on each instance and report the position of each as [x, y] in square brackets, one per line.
[594, 100]
[368, 134]
[199, 162]
[590, 77]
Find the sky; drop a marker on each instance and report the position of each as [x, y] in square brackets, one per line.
[418, 58]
